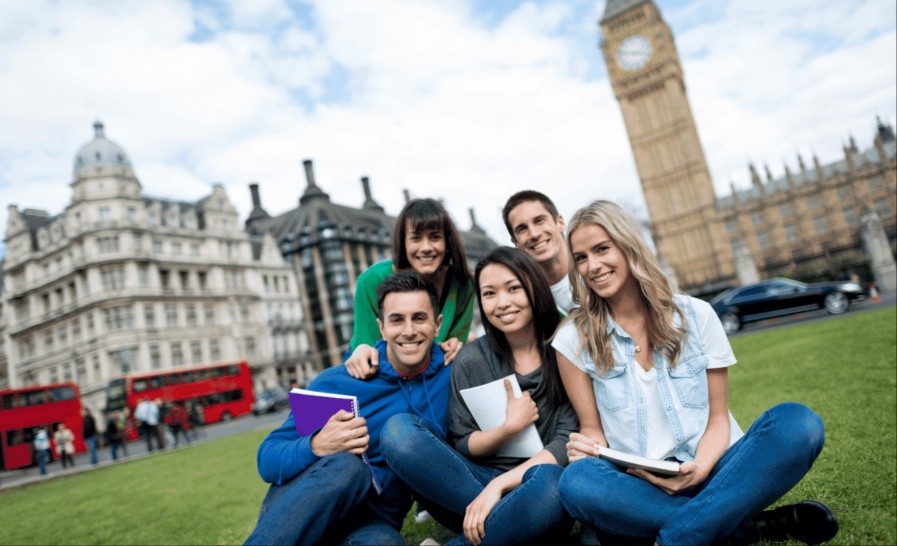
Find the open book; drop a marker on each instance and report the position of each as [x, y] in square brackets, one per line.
[312, 410]
[627, 460]
[489, 406]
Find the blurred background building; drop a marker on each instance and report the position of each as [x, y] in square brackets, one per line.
[123, 282]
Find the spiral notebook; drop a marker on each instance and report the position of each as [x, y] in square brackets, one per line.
[312, 410]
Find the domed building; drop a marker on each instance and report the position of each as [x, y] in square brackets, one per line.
[121, 282]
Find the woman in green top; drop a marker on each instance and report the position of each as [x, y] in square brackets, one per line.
[424, 239]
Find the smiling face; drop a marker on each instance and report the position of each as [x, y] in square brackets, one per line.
[408, 326]
[424, 249]
[537, 232]
[504, 299]
[601, 263]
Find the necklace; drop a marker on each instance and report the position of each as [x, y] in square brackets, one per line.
[638, 347]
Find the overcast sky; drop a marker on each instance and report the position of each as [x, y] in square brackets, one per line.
[464, 100]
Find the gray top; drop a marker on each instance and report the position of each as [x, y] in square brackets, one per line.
[477, 365]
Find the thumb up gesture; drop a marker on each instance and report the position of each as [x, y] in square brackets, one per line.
[521, 411]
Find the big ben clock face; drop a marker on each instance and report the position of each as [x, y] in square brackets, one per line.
[634, 52]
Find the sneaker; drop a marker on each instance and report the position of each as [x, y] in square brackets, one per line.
[809, 521]
[587, 536]
[422, 516]
[429, 542]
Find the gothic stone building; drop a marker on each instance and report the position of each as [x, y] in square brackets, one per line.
[803, 225]
[330, 245]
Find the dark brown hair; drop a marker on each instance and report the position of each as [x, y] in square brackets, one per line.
[526, 196]
[424, 214]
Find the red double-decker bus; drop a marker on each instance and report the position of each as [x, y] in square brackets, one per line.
[222, 390]
[22, 410]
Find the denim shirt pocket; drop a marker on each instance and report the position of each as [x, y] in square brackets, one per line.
[689, 378]
[612, 390]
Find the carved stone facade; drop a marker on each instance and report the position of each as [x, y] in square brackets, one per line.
[123, 282]
[804, 225]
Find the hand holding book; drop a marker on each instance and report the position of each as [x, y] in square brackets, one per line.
[342, 432]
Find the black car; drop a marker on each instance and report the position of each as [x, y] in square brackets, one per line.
[778, 297]
[271, 400]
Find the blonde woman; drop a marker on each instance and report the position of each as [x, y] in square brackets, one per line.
[647, 373]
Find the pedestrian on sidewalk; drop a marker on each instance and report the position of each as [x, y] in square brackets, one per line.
[89, 431]
[64, 439]
[178, 422]
[114, 434]
[147, 414]
[42, 447]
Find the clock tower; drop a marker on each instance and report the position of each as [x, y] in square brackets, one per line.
[647, 79]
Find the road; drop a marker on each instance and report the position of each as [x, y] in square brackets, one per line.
[136, 450]
[889, 300]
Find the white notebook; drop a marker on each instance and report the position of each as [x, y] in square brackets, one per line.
[489, 406]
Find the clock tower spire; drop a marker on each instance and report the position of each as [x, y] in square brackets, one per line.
[647, 79]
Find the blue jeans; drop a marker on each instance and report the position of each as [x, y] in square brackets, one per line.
[42, 461]
[775, 453]
[325, 504]
[92, 447]
[445, 482]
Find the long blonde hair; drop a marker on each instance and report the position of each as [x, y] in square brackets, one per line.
[590, 318]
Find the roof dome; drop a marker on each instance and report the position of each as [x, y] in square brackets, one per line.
[101, 151]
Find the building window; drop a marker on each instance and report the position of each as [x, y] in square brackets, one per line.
[191, 314]
[850, 216]
[819, 224]
[80, 371]
[105, 215]
[791, 234]
[164, 279]
[157, 246]
[784, 211]
[176, 249]
[177, 355]
[196, 352]
[171, 315]
[185, 279]
[90, 323]
[63, 334]
[813, 202]
[244, 312]
[265, 282]
[149, 315]
[113, 278]
[124, 359]
[155, 357]
[286, 285]
[763, 241]
[194, 249]
[209, 313]
[201, 279]
[48, 339]
[249, 342]
[874, 184]
[107, 244]
[119, 318]
[757, 218]
[844, 194]
[882, 208]
[76, 329]
[143, 275]
[214, 350]
[132, 214]
[138, 243]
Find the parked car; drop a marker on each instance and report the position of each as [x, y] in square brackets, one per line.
[270, 400]
[779, 297]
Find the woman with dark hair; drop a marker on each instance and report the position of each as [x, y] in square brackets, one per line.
[467, 483]
[424, 239]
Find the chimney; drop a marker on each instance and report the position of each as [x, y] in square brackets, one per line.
[473, 222]
[407, 195]
[256, 200]
[309, 173]
[369, 202]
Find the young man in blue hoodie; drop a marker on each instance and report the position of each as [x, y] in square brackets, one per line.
[321, 490]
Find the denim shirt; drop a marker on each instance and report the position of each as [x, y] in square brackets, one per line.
[621, 405]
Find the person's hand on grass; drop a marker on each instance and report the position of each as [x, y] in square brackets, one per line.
[343, 432]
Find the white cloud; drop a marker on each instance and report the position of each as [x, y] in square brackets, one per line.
[431, 99]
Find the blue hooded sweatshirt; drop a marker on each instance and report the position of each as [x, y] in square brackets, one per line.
[284, 454]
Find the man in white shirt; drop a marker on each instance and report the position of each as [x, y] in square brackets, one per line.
[536, 228]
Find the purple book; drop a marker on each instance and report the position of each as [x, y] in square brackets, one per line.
[312, 409]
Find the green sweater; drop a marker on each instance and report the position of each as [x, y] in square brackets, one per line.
[457, 311]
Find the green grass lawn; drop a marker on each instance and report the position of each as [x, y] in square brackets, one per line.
[210, 493]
